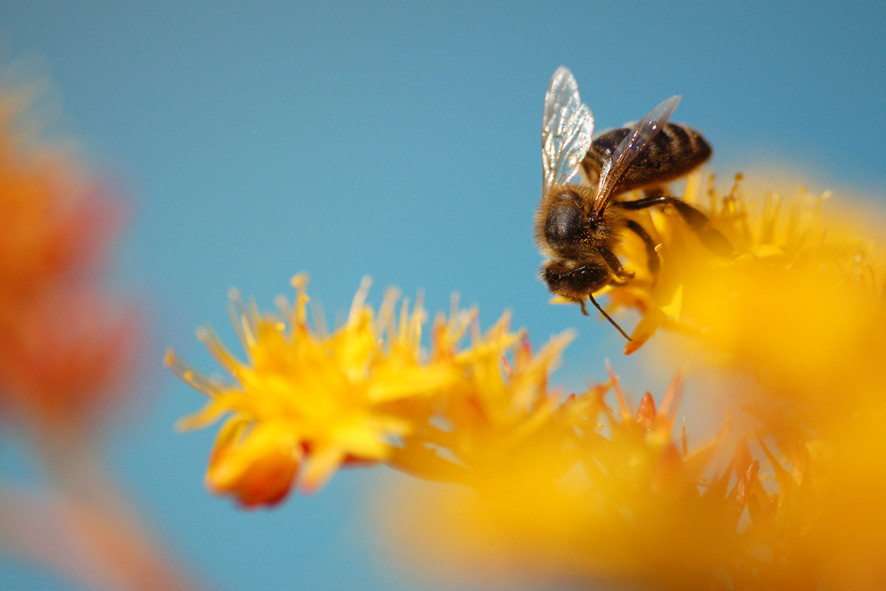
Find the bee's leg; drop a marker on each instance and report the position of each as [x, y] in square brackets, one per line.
[699, 222]
[652, 260]
[615, 266]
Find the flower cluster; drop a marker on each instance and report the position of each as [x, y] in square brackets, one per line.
[305, 402]
[575, 488]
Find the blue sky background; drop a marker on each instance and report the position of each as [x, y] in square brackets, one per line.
[399, 140]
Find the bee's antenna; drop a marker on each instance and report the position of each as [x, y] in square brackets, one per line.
[608, 317]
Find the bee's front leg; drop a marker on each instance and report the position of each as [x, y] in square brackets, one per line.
[621, 276]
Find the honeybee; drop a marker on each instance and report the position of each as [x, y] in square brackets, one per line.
[578, 224]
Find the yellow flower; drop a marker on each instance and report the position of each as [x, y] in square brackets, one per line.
[495, 409]
[306, 403]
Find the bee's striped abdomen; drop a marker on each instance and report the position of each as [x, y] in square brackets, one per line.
[673, 152]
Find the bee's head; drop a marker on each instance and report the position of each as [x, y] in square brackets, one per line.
[578, 282]
[569, 279]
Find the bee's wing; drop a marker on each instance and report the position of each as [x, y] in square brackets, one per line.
[566, 129]
[631, 147]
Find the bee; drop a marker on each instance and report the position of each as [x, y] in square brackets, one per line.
[578, 224]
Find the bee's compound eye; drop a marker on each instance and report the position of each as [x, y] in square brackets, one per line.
[562, 226]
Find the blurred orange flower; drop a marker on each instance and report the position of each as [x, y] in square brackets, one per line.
[56, 225]
[67, 346]
[64, 354]
[62, 342]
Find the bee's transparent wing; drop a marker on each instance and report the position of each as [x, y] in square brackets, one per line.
[631, 147]
[566, 129]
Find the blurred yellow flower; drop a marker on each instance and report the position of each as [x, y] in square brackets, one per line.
[606, 495]
[789, 256]
[801, 309]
